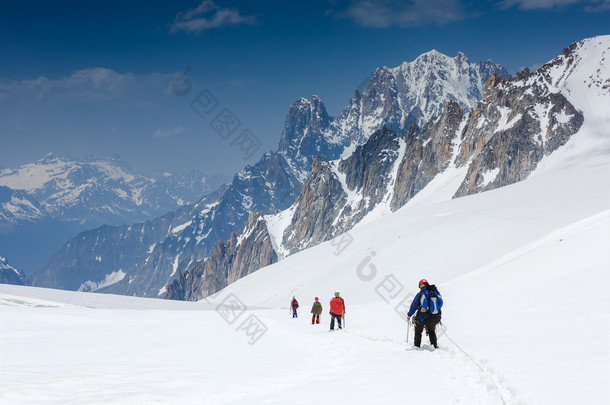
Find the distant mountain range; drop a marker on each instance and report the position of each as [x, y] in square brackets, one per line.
[10, 275]
[141, 259]
[44, 203]
[518, 122]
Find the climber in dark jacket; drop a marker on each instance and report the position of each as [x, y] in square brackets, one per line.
[316, 310]
[426, 316]
[294, 305]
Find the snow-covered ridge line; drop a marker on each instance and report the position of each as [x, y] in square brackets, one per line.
[10, 275]
[109, 280]
[66, 188]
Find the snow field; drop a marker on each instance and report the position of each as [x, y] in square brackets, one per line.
[124, 356]
[526, 251]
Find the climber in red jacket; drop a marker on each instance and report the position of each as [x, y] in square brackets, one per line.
[337, 309]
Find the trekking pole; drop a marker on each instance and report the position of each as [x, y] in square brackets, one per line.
[344, 320]
[408, 328]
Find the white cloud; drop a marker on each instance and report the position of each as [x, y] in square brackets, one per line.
[537, 4]
[83, 85]
[599, 6]
[410, 13]
[589, 5]
[386, 13]
[166, 133]
[208, 15]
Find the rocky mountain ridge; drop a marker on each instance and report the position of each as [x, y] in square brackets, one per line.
[270, 185]
[10, 275]
[99, 191]
[413, 92]
[501, 141]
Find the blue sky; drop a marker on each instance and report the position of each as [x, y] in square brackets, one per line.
[95, 78]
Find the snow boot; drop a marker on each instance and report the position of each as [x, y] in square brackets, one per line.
[417, 341]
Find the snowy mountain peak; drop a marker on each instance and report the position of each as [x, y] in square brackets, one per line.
[434, 58]
[581, 71]
[303, 104]
[303, 137]
[10, 275]
[413, 92]
[62, 170]
[434, 55]
[51, 156]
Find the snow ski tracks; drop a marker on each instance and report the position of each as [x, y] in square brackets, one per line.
[470, 381]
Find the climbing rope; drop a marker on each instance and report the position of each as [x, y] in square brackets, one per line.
[475, 362]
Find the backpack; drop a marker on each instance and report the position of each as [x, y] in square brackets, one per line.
[431, 300]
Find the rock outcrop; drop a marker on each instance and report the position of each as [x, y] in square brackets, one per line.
[229, 262]
[517, 123]
[10, 275]
[428, 153]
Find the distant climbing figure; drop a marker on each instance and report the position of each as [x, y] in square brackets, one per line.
[294, 305]
[337, 309]
[316, 310]
[427, 303]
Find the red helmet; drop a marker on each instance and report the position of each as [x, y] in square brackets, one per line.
[316, 298]
[423, 281]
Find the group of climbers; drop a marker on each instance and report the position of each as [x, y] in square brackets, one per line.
[337, 310]
[424, 312]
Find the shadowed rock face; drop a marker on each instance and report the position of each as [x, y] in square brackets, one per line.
[367, 168]
[324, 210]
[315, 208]
[428, 152]
[321, 211]
[512, 129]
[229, 262]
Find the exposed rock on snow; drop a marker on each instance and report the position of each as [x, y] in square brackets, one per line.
[229, 262]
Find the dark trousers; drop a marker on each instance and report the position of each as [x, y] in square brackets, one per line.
[332, 320]
[429, 324]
